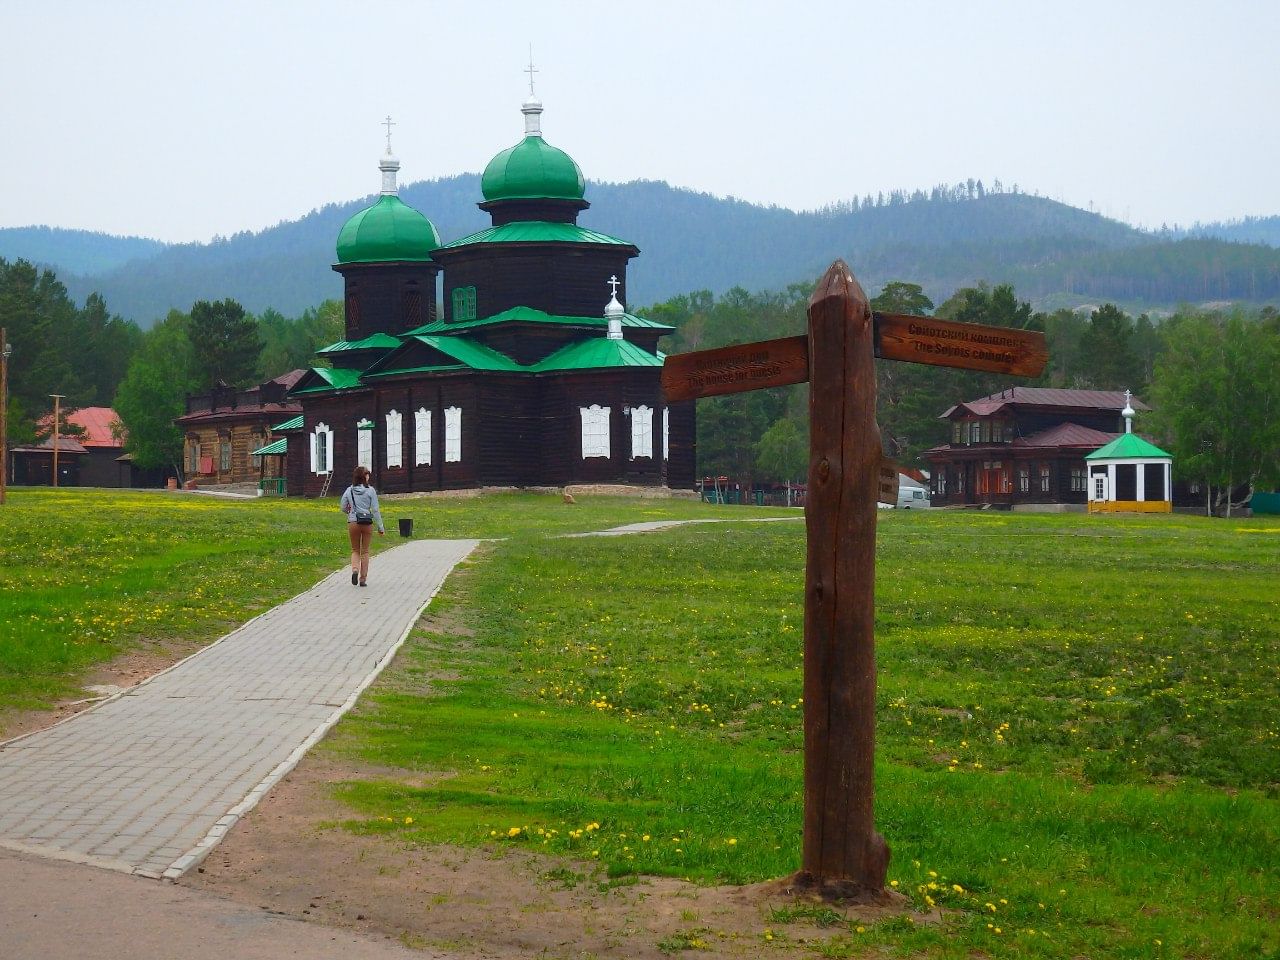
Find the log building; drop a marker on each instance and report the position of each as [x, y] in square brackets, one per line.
[535, 375]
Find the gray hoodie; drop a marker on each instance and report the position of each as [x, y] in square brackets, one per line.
[362, 498]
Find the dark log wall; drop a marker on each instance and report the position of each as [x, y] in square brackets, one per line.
[388, 297]
[682, 462]
[562, 279]
[547, 211]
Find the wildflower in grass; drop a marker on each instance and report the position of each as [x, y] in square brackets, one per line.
[408, 819]
[513, 832]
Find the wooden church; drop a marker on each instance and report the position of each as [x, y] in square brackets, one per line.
[535, 376]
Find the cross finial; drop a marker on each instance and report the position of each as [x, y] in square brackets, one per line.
[388, 124]
[613, 285]
[1128, 399]
[531, 70]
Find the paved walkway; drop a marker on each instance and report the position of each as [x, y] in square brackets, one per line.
[149, 781]
[650, 525]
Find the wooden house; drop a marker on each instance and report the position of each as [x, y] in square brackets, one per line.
[535, 375]
[223, 428]
[90, 454]
[1024, 446]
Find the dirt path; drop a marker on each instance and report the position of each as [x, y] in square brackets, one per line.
[290, 853]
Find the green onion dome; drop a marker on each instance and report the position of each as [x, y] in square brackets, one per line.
[388, 230]
[532, 169]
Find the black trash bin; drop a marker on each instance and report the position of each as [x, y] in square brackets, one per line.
[406, 526]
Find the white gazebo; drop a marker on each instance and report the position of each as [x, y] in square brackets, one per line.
[1129, 474]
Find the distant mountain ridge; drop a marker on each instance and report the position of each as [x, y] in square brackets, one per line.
[691, 241]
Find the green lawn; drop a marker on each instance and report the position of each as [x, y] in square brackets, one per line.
[1079, 740]
[85, 574]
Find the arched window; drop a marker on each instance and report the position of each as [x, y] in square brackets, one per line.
[422, 437]
[395, 439]
[595, 431]
[666, 433]
[464, 303]
[322, 449]
[364, 443]
[641, 432]
[453, 434]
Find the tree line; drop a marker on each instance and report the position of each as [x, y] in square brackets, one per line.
[1211, 377]
[93, 358]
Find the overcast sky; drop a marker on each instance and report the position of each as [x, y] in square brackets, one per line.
[182, 120]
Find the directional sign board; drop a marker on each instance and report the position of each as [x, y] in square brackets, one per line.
[779, 363]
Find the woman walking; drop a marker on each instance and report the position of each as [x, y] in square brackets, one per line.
[360, 504]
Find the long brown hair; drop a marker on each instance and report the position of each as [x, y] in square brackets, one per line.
[360, 477]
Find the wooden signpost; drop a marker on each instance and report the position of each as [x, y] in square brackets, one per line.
[844, 858]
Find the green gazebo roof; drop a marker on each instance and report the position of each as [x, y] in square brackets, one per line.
[1129, 446]
[390, 230]
[532, 169]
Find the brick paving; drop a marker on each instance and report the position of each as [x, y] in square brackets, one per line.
[150, 780]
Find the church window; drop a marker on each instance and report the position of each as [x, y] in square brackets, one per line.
[411, 307]
[353, 313]
[595, 431]
[322, 449]
[641, 432]
[395, 440]
[666, 433]
[364, 444]
[422, 437]
[453, 435]
[464, 303]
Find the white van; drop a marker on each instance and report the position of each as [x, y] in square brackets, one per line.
[910, 497]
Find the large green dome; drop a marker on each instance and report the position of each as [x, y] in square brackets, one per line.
[532, 170]
[388, 230]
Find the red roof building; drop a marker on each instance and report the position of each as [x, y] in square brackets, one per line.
[1024, 446]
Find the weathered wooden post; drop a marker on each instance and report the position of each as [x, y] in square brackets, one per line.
[843, 856]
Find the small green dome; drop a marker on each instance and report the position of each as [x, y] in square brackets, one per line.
[532, 169]
[388, 230]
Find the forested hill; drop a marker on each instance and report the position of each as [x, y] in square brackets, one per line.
[945, 239]
[74, 251]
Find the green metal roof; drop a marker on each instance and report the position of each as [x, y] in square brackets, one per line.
[469, 354]
[335, 378]
[375, 341]
[276, 446]
[390, 230]
[537, 231]
[532, 169]
[1129, 446]
[532, 315]
[597, 353]
[293, 424]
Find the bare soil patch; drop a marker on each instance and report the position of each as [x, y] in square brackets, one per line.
[145, 659]
[287, 856]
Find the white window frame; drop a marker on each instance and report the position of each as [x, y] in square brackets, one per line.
[422, 437]
[322, 430]
[595, 431]
[641, 432]
[395, 439]
[666, 433]
[453, 435]
[364, 444]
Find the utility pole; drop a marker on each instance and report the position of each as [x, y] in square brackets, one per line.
[57, 410]
[5, 350]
